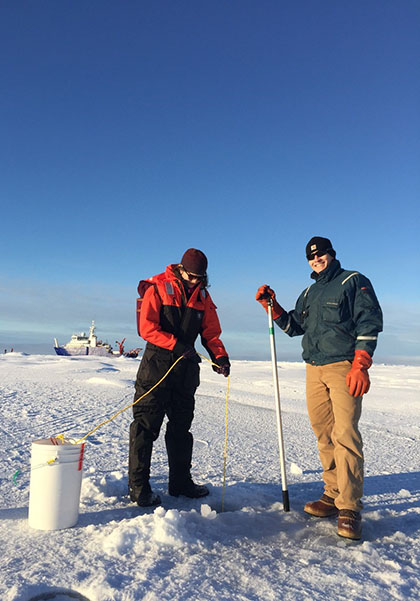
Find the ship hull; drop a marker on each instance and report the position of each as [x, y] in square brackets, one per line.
[83, 350]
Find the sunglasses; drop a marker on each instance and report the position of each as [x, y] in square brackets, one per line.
[193, 276]
[317, 253]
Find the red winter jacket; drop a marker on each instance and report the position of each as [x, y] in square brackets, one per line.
[172, 321]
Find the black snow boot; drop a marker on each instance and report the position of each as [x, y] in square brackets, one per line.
[188, 489]
[144, 497]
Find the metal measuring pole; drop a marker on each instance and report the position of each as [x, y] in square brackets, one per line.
[285, 491]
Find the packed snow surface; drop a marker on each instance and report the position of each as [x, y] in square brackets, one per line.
[191, 549]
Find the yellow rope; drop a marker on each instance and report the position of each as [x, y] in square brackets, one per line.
[226, 433]
[146, 393]
[132, 404]
[225, 451]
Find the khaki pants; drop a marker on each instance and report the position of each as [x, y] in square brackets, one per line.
[334, 415]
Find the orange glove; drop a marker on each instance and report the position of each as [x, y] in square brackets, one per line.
[263, 294]
[358, 378]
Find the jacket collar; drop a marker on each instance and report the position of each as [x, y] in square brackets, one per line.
[327, 274]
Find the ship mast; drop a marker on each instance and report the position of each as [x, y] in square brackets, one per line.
[92, 336]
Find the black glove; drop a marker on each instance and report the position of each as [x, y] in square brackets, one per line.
[191, 354]
[223, 366]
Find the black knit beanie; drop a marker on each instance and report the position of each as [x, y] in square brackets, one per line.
[319, 244]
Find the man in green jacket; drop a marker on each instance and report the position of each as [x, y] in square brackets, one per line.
[339, 317]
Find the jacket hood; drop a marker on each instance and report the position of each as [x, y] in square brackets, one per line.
[170, 272]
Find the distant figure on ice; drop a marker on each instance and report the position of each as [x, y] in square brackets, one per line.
[175, 309]
[339, 317]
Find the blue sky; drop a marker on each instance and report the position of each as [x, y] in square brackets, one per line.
[131, 131]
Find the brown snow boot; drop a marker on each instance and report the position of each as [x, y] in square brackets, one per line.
[323, 508]
[349, 524]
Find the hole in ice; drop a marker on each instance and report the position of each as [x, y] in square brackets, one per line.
[59, 595]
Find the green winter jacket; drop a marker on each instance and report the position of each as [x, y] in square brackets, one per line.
[336, 315]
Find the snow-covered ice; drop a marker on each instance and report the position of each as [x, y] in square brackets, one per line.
[189, 549]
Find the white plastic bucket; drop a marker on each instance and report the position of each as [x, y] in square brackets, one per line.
[56, 479]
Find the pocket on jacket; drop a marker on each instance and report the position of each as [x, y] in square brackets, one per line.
[331, 312]
[152, 367]
[192, 376]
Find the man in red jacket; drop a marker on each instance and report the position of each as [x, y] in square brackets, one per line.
[176, 308]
